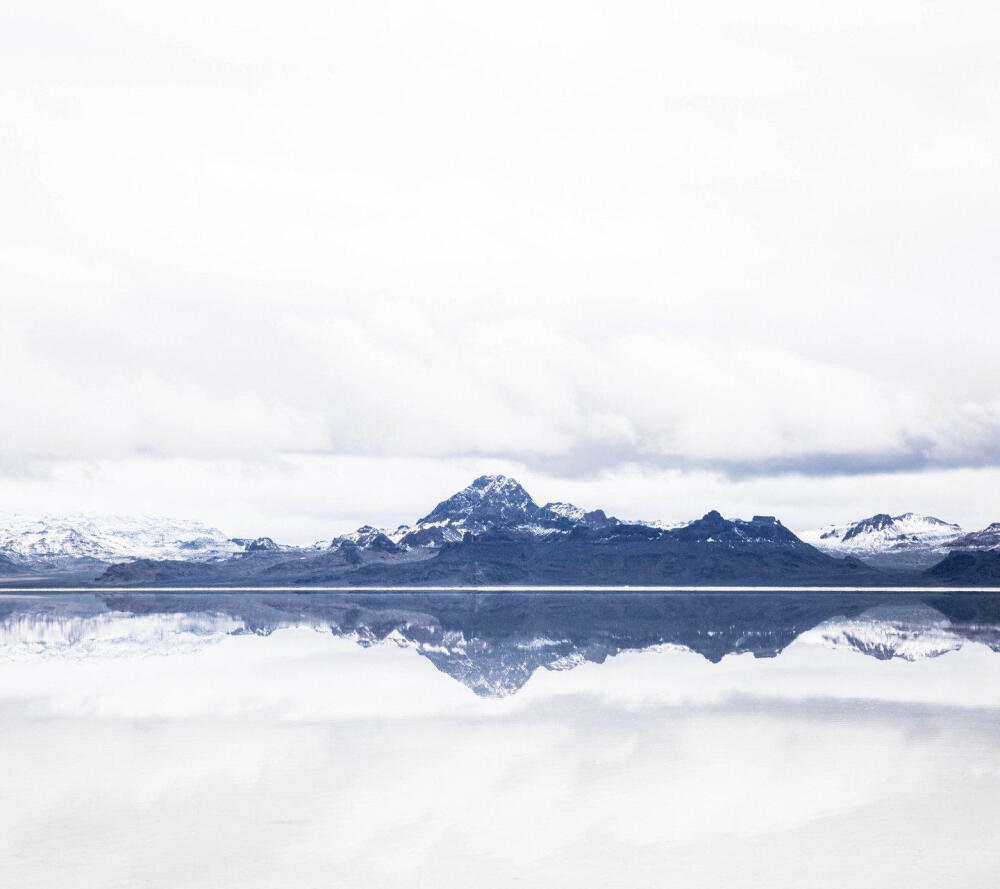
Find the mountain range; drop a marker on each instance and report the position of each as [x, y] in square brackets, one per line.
[493, 533]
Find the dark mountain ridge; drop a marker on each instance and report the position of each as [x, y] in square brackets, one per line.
[967, 568]
[492, 533]
[709, 550]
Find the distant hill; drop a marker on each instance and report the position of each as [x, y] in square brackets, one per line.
[965, 568]
[908, 540]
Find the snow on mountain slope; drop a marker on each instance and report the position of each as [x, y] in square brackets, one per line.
[52, 539]
[566, 510]
[490, 503]
[497, 503]
[659, 524]
[882, 533]
[988, 538]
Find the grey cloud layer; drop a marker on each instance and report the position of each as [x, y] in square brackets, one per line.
[394, 380]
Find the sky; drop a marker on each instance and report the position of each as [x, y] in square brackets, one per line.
[292, 268]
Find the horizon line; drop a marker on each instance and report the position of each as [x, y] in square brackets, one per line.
[574, 588]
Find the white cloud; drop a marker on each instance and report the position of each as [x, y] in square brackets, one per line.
[560, 238]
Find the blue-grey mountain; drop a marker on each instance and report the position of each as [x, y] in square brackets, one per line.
[493, 533]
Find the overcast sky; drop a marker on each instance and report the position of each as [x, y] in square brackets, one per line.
[291, 267]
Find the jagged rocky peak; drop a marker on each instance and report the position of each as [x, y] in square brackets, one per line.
[566, 516]
[256, 544]
[497, 504]
[368, 537]
[879, 522]
[714, 528]
[365, 535]
[489, 500]
[708, 527]
[566, 510]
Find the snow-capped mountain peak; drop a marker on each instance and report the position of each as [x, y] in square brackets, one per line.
[490, 498]
[566, 511]
[909, 539]
[61, 538]
[497, 503]
[882, 532]
[489, 502]
[881, 524]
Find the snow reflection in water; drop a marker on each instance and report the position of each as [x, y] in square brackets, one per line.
[790, 740]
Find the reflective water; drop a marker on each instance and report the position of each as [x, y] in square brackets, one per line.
[499, 739]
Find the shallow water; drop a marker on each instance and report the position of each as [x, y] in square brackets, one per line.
[267, 740]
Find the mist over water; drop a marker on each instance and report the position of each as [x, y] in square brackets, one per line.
[750, 740]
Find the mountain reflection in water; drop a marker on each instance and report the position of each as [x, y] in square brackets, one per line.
[218, 741]
[494, 642]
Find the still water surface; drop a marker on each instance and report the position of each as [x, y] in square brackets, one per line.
[279, 740]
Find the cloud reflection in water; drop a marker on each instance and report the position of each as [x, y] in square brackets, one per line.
[242, 743]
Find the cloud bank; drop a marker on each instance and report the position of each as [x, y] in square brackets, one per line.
[583, 243]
